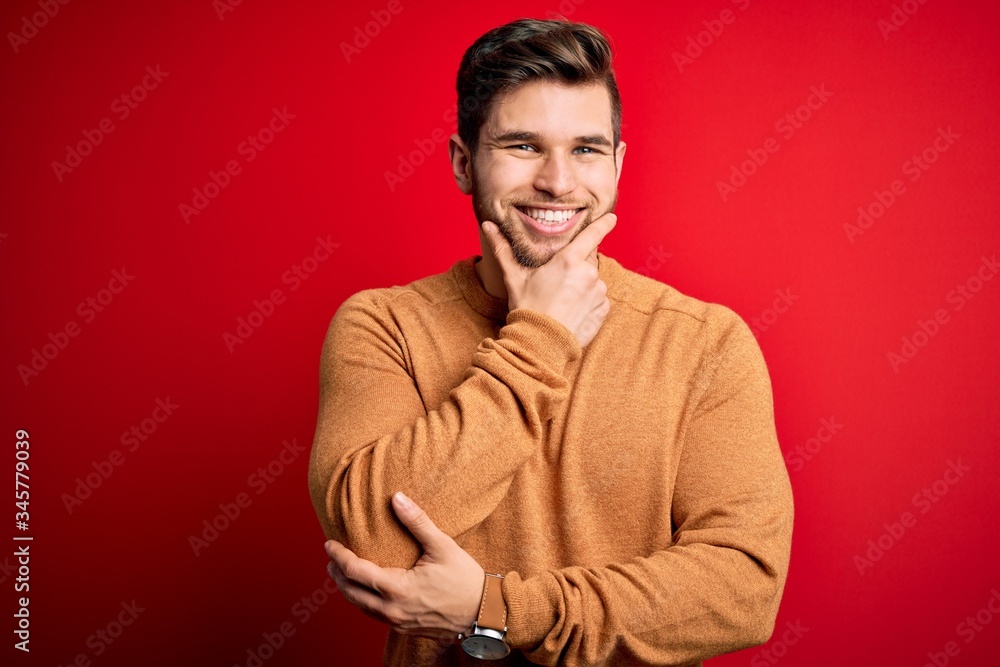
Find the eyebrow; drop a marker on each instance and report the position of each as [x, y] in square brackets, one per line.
[525, 136]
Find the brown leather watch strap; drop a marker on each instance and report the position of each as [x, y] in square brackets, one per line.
[493, 609]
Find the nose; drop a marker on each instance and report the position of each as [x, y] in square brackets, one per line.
[555, 176]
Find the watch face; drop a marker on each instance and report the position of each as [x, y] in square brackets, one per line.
[485, 648]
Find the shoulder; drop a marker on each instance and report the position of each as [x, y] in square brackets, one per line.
[374, 319]
[715, 337]
[660, 301]
[384, 303]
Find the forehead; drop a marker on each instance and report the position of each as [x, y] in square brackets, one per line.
[554, 110]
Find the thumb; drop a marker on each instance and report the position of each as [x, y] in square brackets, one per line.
[417, 522]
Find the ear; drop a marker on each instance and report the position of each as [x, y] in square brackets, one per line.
[619, 160]
[461, 163]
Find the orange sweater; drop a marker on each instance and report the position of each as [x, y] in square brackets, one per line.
[633, 492]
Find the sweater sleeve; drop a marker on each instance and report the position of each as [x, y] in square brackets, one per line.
[716, 587]
[374, 436]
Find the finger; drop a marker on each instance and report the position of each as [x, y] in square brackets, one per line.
[586, 242]
[363, 598]
[418, 523]
[499, 246]
[360, 571]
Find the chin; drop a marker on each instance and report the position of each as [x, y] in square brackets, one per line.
[533, 254]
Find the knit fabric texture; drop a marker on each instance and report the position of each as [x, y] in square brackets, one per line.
[632, 492]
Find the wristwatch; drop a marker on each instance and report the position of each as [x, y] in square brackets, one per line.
[486, 638]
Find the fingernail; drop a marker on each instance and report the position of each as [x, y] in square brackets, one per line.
[402, 500]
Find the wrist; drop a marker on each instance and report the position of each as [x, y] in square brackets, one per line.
[486, 637]
[475, 599]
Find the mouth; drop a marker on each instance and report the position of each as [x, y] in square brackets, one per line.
[549, 221]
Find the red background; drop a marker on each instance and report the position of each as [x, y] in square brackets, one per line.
[324, 175]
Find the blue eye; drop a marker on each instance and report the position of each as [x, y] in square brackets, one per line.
[589, 150]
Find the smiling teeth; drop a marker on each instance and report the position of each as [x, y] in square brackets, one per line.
[548, 215]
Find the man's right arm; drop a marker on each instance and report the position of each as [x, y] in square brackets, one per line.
[374, 435]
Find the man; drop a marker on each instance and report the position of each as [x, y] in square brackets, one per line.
[588, 457]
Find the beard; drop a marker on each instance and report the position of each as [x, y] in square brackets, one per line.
[530, 249]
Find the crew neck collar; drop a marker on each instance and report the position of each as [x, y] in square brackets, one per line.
[495, 308]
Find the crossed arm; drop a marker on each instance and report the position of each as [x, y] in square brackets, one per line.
[715, 589]
[437, 598]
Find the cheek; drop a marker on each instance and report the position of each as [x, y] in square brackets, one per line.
[513, 175]
[598, 178]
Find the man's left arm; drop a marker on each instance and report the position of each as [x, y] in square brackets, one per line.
[716, 589]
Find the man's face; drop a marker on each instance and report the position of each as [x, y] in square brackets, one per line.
[545, 168]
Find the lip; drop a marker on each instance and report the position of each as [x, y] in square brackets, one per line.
[550, 230]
